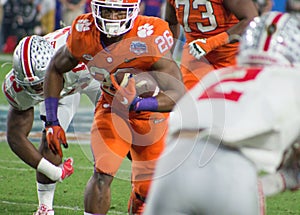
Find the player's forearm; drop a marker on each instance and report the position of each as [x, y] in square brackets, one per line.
[175, 29]
[167, 98]
[62, 62]
[53, 83]
[170, 14]
[170, 82]
[174, 25]
[244, 10]
[166, 101]
[237, 30]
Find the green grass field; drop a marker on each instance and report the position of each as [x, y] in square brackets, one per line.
[18, 187]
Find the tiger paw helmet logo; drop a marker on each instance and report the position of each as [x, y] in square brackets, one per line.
[145, 30]
[83, 25]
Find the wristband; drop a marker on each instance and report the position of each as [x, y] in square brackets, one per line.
[51, 105]
[218, 40]
[134, 102]
[51, 123]
[146, 104]
[234, 38]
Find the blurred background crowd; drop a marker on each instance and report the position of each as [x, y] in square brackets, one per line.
[19, 18]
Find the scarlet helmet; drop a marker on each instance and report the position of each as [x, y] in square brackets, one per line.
[271, 39]
[30, 60]
[111, 26]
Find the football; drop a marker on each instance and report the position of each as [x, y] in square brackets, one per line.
[145, 84]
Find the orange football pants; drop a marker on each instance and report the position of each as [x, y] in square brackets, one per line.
[114, 135]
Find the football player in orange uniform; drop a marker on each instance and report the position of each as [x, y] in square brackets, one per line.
[212, 29]
[111, 39]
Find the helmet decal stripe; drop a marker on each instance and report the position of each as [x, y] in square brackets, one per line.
[271, 31]
[27, 67]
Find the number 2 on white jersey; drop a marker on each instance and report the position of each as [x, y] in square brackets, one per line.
[233, 95]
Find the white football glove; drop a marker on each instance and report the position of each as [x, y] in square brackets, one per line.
[196, 50]
[202, 46]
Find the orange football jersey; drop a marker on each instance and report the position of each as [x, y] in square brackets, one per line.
[202, 19]
[143, 45]
[114, 133]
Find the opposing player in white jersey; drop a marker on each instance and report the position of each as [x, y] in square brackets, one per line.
[234, 123]
[23, 90]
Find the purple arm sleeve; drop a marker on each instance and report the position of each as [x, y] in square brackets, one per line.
[146, 104]
[51, 105]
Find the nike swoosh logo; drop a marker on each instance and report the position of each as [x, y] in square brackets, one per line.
[106, 105]
[125, 101]
[126, 60]
[50, 131]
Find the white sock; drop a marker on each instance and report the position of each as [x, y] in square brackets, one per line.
[48, 169]
[272, 184]
[46, 194]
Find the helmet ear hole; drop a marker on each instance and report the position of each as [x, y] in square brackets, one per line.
[30, 60]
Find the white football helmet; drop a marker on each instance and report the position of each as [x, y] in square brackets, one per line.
[110, 26]
[30, 60]
[271, 39]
